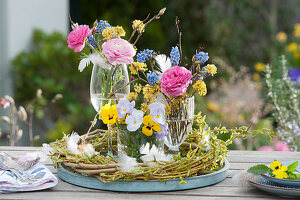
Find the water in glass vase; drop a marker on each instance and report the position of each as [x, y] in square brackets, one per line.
[98, 101]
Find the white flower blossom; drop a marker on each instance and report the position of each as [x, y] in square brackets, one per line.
[157, 111]
[96, 59]
[134, 120]
[127, 164]
[164, 63]
[153, 154]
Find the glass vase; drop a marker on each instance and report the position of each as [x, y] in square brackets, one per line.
[130, 143]
[180, 122]
[108, 83]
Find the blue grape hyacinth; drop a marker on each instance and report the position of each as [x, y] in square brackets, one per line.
[175, 56]
[201, 57]
[101, 26]
[91, 41]
[152, 78]
[144, 55]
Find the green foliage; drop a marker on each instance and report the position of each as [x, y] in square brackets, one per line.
[61, 129]
[258, 169]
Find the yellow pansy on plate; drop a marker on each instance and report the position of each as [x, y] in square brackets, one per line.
[284, 173]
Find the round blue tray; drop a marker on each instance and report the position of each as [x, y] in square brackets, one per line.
[144, 186]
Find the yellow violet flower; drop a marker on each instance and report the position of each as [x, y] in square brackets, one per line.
[275, 165]
[139, 25]
[109, 114]
[111, 32]
[137, 66]
[211, 69]
[292, 47]
[260, 67]
[150, 125]
[281, 37]
[200, 87]
[296, 32]
[279, 170]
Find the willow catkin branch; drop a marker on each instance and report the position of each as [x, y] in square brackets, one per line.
[97, 171]
[100, 179]
[89, 166]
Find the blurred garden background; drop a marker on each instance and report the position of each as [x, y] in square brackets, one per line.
[240, 36]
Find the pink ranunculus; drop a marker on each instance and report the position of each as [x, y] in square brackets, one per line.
[4, 104]
[118, 51]
[266, 148]
[175, 81]
[77, 37]
[281, 146]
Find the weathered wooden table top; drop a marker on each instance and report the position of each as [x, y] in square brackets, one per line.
[227, 189]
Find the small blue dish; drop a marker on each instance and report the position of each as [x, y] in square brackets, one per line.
[274, 188]
[285, 182]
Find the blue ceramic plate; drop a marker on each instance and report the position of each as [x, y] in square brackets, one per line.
[285, 182]
[271, 187]
[144, 186]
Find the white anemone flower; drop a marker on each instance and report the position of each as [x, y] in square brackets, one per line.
[134, 120]
[72, 143]
[125, 106]
[153, 154]
[127, 164]
[164, 63]
[96, 59]
[157, 111]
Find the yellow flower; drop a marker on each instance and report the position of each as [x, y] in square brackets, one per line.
[111, 32]
[296, 32]
[137, 66]
[275, 165]
[137, 88]
[132, 96]
[150, 92]
[296, 55]
[280, 174]
[139, 25]
[279, 170]
[149, 126]
[200, 87]
[260, 67]
[145, 108]
[211, 69]
[109, 114]
[281, 37]
[292, 47]
[212, 106]
[256, 76]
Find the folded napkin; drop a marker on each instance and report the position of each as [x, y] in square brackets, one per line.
[10, 183]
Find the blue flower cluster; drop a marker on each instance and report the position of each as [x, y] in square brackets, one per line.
[143, 56]
[175, 56]
[201, 57]
[101, 26]
[152, 78]
[91, 41]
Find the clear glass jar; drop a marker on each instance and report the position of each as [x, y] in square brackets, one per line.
[107, 80]
[130, 143]
[180, 122]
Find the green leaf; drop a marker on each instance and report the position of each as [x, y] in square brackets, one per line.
[258, 169]
[292, 166]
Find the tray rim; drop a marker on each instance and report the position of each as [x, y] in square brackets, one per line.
[172, 184]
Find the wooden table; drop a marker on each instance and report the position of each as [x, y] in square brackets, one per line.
[227, 189]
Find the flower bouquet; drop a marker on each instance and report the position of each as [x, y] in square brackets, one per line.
[159, 110]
